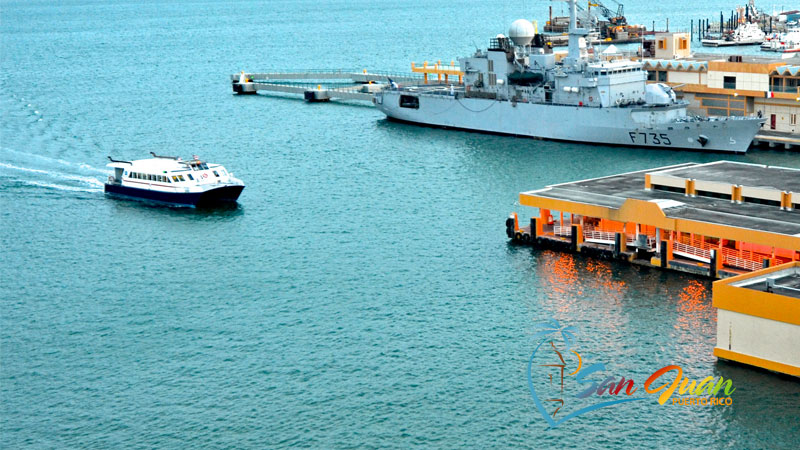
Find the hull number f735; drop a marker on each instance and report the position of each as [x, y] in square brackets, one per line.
[649, 138]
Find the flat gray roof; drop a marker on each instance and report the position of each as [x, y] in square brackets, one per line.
[753, 175]
[613, 191]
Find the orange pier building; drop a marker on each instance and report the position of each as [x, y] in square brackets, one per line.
[719, 219]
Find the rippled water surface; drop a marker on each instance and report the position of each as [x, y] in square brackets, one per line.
[363, 291]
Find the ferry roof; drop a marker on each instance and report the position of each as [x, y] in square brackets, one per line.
[156, 164]
[748, 221]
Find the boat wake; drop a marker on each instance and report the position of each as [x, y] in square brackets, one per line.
[27, 169]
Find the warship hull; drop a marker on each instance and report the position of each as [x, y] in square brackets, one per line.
[631, 126]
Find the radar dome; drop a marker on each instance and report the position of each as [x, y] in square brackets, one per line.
[521, 32]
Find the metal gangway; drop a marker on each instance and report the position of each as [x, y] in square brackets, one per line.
[323, 85]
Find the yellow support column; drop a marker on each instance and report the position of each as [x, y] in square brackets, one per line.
[689, 188]
[786, 201]
[736, 193]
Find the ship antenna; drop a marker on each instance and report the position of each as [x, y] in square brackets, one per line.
[575, 33]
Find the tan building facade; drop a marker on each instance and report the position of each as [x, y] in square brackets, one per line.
[731, 86]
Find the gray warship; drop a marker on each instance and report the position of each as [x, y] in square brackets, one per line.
[517, 87]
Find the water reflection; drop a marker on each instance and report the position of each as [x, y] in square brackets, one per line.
[694, 306]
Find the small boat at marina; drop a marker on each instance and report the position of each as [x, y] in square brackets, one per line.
[785, 43]
[172, 180]
[745, 34]
[765, 46]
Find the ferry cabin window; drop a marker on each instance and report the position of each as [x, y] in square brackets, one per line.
[409, 101]
[189, 175]
[174, 178]
[215, 173]
[180, 177]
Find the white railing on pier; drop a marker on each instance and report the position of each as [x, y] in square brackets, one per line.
[692, 252]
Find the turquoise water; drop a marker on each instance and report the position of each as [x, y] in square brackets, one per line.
[362, 293]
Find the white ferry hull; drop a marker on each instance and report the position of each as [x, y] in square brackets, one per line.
[724, 43]
[612, 126]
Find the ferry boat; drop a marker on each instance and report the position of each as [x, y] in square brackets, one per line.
[517, 87]
[170, 179]
[745, 34]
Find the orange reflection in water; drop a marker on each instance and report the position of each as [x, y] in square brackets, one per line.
[692, 297]
[604, 282]
[562, 273]
[569, 288]
[696, 318]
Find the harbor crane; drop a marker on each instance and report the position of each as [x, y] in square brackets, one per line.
[614, 19]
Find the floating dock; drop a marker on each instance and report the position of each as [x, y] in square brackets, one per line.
[758, 318]
[717, 220]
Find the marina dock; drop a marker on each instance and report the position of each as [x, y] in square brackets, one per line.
[715, 220]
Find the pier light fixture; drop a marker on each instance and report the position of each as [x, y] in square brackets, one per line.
[735, 94]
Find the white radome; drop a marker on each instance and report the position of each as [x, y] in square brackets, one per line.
[521, 32]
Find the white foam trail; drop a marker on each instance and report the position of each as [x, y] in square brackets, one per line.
[59, 187]
[80, 179]
[82, 166]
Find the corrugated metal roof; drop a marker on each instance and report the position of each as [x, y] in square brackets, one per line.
[786, 70]
[675, 64]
